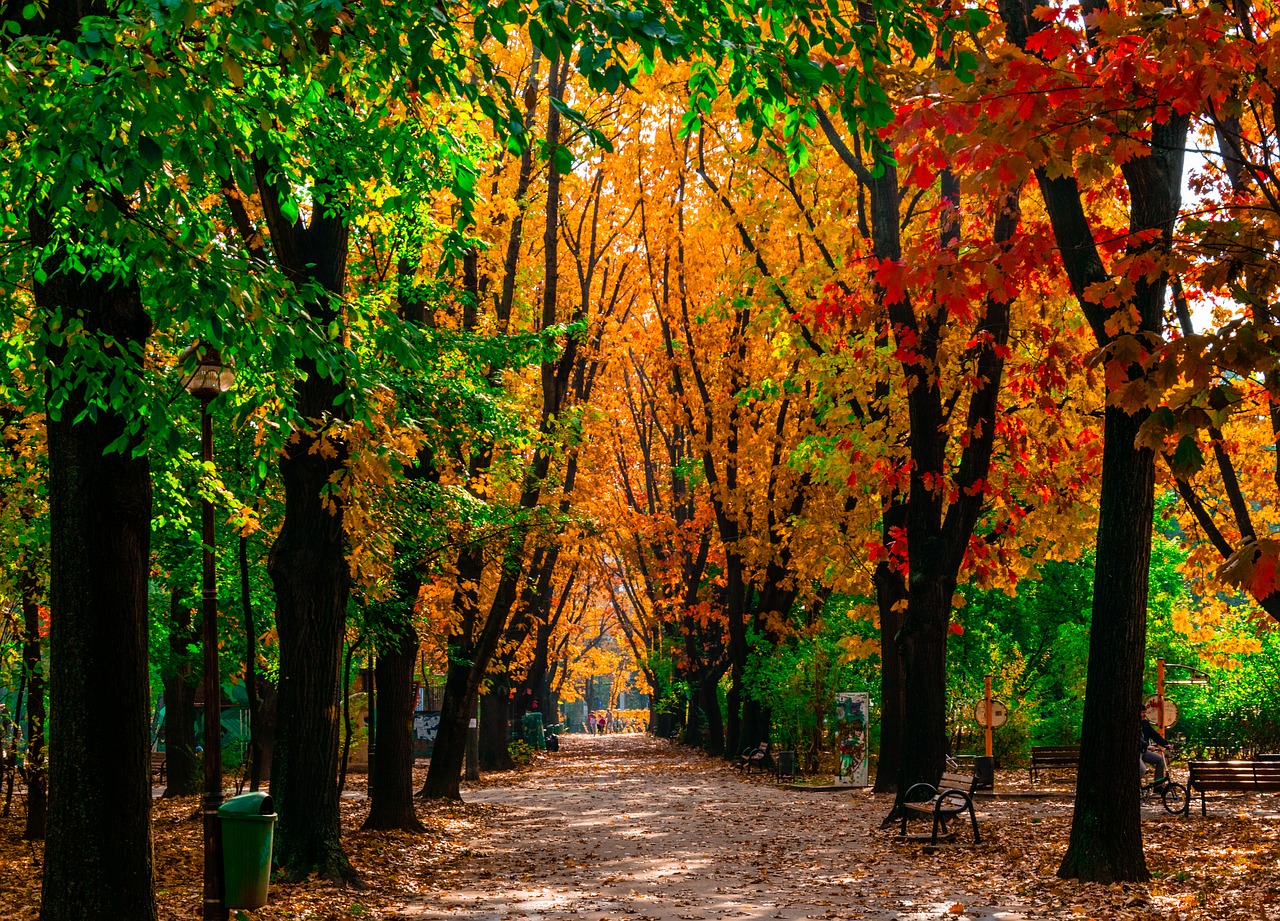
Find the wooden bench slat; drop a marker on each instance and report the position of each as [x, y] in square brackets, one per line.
[1219, 776]
[1047, 757]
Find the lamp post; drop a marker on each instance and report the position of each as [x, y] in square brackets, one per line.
[210, 378]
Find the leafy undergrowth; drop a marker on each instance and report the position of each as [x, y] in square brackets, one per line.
[392, 864]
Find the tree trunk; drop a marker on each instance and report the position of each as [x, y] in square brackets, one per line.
[1106, 829]
[709, 698]
[36, 769]
[891, 591]
[923, 643]
[391, 775]
[345, 758]
[266, 731]
[456, 711]
[495, 709]
[98, 861]
[469, 658]
[257, 748]
[309, 570]
[735, 611]
[182, 764]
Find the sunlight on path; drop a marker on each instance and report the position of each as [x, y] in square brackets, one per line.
[628, 826]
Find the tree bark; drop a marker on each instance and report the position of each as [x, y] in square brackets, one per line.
[891, 593]
[456, 711]
[308, 568]
[391, 774]
[495, 713]
[98, 862]
[1106, 831]
[258, 747]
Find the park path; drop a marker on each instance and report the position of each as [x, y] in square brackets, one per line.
[629, 826]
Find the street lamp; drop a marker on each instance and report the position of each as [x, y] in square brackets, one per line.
[211, 377]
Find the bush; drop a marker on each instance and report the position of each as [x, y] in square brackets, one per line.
[521, 753]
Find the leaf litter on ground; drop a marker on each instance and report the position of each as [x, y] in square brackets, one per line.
[799, 851]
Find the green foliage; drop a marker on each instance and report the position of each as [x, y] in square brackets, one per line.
[1035, 646]
[799, 677]
[521, 752]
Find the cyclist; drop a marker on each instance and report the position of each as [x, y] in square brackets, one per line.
[1151, 745]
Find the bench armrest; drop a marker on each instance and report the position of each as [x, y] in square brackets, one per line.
[932, 792]
[947, 801]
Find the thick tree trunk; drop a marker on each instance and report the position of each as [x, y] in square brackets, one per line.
[36, 769]
[309, 570]
[182, 764]
[456, 712]
[891, 591]
[259, 748]
[736, 613]
[98, 851]
[391, 779]
[923, 644]
[495, 716]
[1106, 830]
[709, 703]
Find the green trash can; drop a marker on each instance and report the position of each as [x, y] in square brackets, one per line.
[248, 826]
[533, 732]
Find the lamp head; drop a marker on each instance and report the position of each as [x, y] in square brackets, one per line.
[211, 376]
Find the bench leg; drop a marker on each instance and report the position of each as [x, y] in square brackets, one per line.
[974, 819]
[934, 839]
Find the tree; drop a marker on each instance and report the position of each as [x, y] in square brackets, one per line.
[1124, 304]
[97, 854]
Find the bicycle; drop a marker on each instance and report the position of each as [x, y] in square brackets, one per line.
[1175, 797]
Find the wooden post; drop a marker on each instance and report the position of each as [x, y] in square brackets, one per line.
[1160, 696]
[986, 690]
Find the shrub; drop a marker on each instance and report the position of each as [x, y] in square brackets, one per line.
[521, 753]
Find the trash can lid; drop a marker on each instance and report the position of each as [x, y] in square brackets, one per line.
[248, 804]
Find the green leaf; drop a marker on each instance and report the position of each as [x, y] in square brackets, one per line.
[150, 153]
[562, 160]
[1187, 458]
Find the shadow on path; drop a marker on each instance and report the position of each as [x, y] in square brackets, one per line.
[629, 826]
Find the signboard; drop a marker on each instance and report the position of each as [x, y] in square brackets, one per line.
[1152, 712]
[999, 713]
[853, 715]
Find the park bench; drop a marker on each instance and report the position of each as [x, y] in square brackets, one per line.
[159, 767]
[952, 796]
[756, 758]
[1214, 776]
[1054, 757]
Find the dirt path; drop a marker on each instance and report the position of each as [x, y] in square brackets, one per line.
[628, 826]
